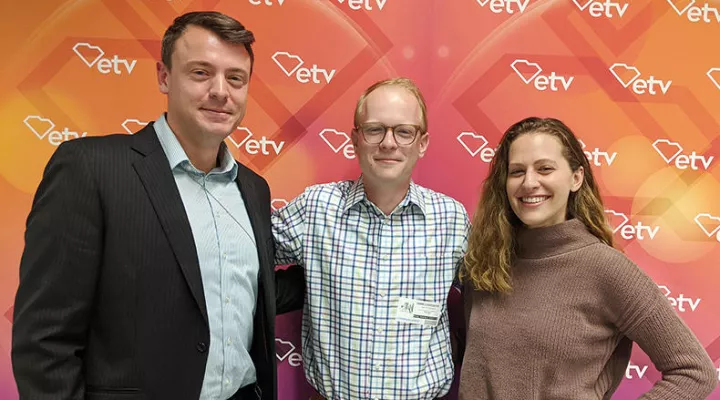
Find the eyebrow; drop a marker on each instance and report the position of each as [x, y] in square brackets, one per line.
[382, 123]
[198, 63]
[540, 161]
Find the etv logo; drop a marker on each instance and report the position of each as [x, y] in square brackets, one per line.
[132, 125]
[709, 224]
[43, 128]
[635, 371]
[671, 153]
[285, 350]
[680, 301]
[277, 204]
[598, 9]
[338, 141]
[714, 80]
[620, 222]
[628, 75]
[366, 5]
[291, 65]
[596, 156]
[263, 146]
[92, 57]
[695, 13]
[266, 2]
[530, 72]
[508, 6]
[476, 144]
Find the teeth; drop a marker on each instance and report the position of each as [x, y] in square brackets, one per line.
[533, 199]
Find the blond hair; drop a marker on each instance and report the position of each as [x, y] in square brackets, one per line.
[404, 83]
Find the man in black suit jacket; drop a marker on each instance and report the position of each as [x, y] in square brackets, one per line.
[148, 266]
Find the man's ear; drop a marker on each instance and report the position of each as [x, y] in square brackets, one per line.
[424, 142]
[163, 75]
[354, 137]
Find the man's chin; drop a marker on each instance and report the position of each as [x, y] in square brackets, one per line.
[388, 178]
[216, 129]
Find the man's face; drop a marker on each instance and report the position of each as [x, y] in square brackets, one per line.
[207, 86]
[389, 163]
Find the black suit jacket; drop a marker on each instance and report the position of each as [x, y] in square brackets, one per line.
[110, 303]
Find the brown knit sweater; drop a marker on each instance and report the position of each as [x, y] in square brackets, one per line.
[566, 330]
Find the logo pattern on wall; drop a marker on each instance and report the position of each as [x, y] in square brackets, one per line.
[633, 79]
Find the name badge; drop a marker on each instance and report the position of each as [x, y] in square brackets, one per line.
[411, 311]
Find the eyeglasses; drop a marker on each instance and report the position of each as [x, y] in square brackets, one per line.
[374, 133]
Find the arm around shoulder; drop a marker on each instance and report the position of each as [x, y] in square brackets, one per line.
[288, 228]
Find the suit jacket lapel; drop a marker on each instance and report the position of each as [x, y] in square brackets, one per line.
[261, 231]
[157, 178]
[264, 316]
[254, 210]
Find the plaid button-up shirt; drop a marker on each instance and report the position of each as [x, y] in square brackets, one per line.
[358, 263]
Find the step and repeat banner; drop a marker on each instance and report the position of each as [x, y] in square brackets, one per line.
[638, 81]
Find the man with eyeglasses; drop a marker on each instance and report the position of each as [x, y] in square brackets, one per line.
[380, 254]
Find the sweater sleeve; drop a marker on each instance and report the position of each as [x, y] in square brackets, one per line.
[646, 317]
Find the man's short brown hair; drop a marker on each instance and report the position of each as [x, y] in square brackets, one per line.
[227, 28]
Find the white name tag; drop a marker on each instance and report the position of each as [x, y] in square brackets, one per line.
[418, 312]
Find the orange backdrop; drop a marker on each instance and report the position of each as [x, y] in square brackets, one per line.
[639, 81]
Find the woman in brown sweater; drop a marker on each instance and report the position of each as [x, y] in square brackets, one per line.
[552, 309]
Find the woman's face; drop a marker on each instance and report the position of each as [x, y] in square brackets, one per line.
[540, 180]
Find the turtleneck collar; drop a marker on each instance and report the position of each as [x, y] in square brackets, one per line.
[553, 240]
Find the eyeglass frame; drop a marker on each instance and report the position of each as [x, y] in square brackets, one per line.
[419, 132]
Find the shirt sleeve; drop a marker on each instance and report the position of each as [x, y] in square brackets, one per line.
[288, 227]
[646, 317]
[464, 234]
[59, 272]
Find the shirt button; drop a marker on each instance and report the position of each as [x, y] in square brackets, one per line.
[380, 330]
[382, 294]
[227, 381]
[229, 342]
[385, 257]
[227, 300]
[201, 347]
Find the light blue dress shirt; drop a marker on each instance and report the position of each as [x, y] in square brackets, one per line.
[228, 259]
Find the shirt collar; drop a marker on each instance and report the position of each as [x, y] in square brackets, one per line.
[177, 157]
[415, 196]
[356, 194]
